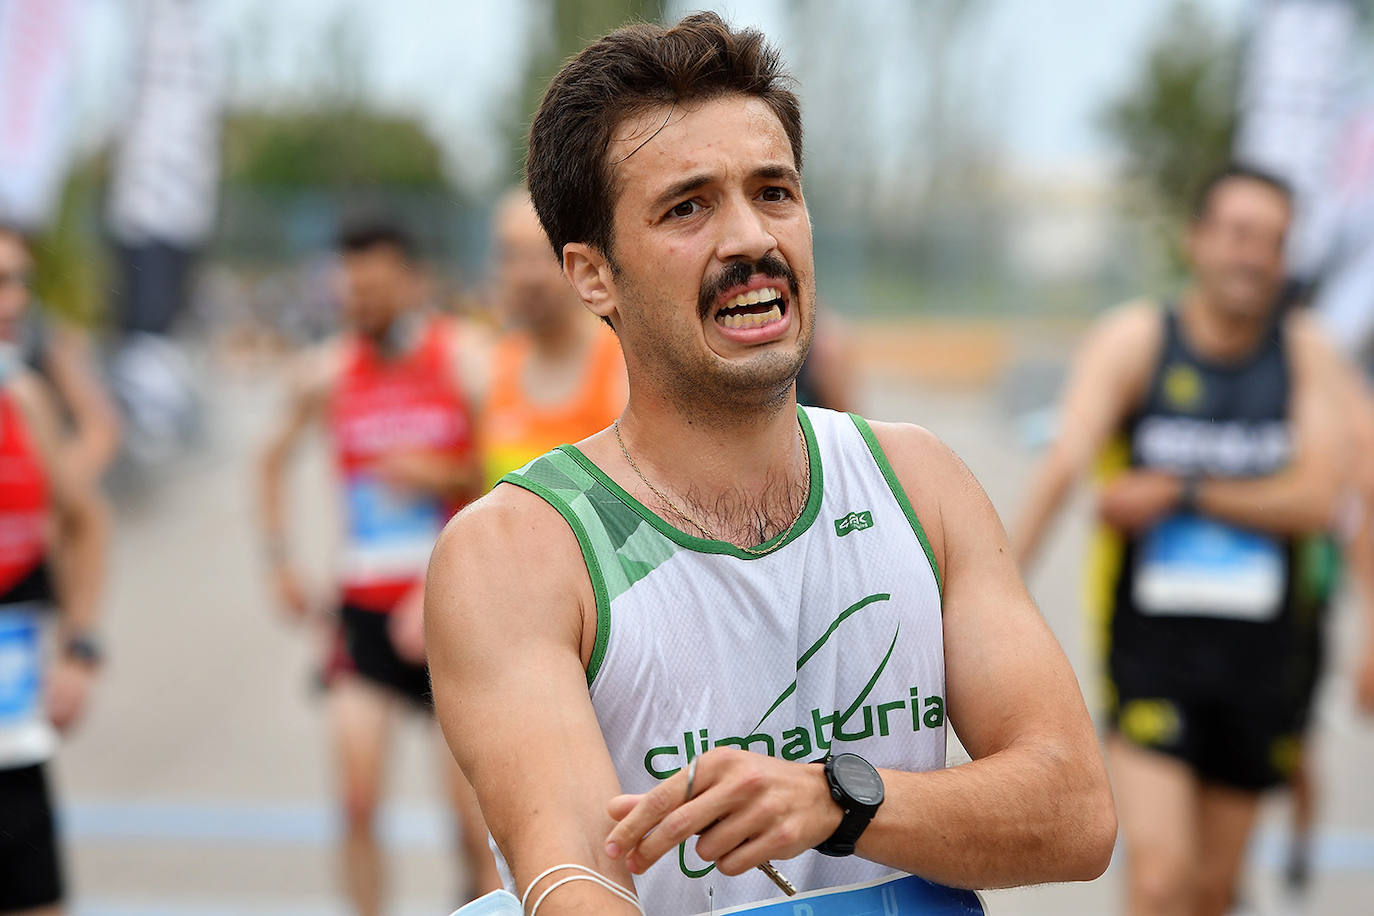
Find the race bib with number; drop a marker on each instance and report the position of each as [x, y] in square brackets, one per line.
[1199, 567]
[391, 533]
[25, 734]
[901, 895]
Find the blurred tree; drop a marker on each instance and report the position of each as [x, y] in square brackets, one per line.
[1176, 121]
[69, 261]
[564, 27]
[330, 148]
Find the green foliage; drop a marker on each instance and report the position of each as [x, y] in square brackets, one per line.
[70, 270]
[1176, 122]
[568, 27]
[330, 148]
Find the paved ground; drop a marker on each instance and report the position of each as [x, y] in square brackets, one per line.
[199, 785]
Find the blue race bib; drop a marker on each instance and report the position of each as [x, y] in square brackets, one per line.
[900, 895]
[20, 668]
[380, 514]
[1199, 567]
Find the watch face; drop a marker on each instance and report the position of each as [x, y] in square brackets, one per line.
[858, 779]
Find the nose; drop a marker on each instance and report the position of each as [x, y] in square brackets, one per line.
[745, 233]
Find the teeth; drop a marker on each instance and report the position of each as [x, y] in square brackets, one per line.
[753, 320]
[767, 294]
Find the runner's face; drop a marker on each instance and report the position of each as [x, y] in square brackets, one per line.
[378, 286]
[16, 268]
[714, 295]
[530, 285]
[1236, 247]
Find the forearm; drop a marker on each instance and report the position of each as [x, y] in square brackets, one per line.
[1290, 502]
[1046, 494]
[80, 564]
[545, 848]
[1028, 814]
[271, 515]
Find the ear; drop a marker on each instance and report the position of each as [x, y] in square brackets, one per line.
[590, 275]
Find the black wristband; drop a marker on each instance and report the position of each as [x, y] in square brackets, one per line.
[1187, 497]
[84, 648]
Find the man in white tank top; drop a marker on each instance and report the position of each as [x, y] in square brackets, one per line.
[725, 632]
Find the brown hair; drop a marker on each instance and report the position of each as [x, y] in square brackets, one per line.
[630, 71]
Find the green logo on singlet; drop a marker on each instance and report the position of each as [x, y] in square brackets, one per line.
[854, 521]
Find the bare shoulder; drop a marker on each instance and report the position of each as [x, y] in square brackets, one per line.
[1132, 330]
[33, 397]
[314, 372]
[512, 560]
[1307, 337]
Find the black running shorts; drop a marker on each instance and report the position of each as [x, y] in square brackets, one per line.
[363, 646]
[1234, 738]
[30, 872]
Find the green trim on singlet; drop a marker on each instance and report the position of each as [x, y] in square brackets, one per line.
[589, 557]
[895, 486]
[705, 545]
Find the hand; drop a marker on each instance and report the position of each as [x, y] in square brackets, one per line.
[1137, 499]
[69, 682]
[405, 626]
[1364, 682]
[290, 592]
[748, 808]
[422, 472]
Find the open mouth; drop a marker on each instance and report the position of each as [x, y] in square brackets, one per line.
[753, 309]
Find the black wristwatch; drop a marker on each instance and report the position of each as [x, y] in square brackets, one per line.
[858, 790]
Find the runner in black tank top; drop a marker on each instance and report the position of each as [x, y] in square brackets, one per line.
[1201, 611]
[1218, 441]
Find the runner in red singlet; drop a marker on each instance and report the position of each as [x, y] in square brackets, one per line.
[52, 548]
[395, 392]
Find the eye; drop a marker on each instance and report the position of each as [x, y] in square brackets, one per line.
[684, 209]
[775, 194]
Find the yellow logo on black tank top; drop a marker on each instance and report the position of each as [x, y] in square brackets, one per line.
[1182, 386]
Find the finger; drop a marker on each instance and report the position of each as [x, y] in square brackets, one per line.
[749, 855]
[621, 805]
[728, 833]
[680, 824]
[645, 815]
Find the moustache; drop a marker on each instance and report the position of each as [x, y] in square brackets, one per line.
[737, 273]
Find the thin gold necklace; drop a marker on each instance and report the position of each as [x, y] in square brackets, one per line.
[710, 535]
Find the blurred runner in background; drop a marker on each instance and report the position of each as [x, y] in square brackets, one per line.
[557, 375]
[1215, 428]
[62, 354]
[827, 376]
[396, 392]
[52, 554]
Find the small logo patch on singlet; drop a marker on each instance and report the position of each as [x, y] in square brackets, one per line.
[854, 521]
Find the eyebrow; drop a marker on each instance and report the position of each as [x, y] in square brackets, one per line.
[700, 180]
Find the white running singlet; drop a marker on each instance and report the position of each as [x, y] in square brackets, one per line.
[832, 642]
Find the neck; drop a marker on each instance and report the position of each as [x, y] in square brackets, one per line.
[1217, 334]
[741, 477]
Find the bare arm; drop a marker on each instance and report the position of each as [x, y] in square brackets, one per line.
[311, 379]
[81, 518]
[80, 547]
[507, 654]
[1108, 376]
[1034, 804]
[71, 365]
[1302, 497]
